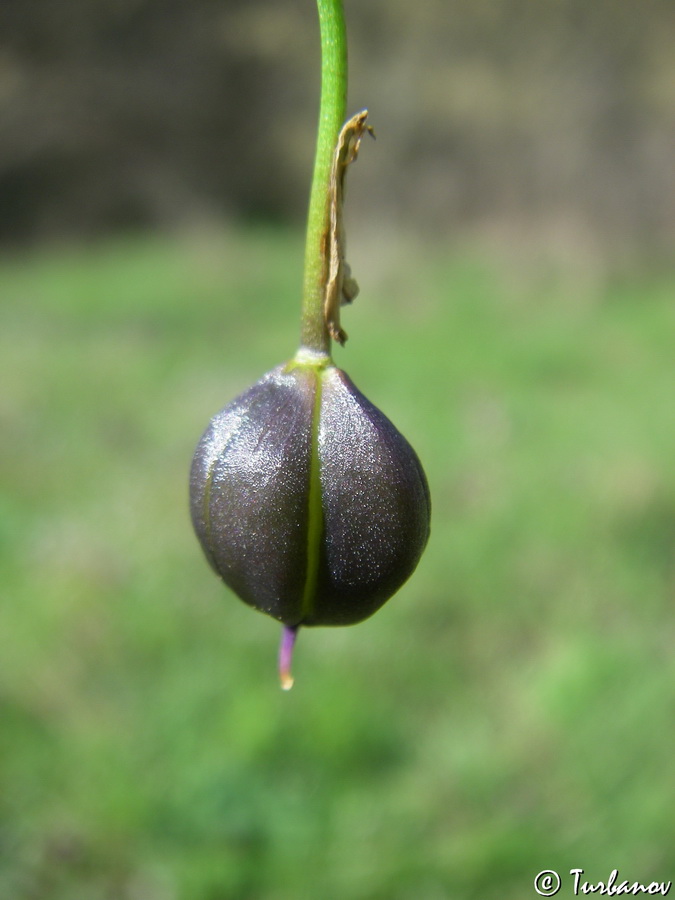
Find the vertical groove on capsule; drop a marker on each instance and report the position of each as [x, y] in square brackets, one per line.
[314, 509]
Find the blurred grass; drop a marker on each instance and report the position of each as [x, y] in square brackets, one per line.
[511, 710]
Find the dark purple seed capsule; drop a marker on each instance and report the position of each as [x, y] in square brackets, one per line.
[307, 501]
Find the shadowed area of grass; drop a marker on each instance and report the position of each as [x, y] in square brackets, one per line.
[511, 710]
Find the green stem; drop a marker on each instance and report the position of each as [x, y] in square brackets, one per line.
[314, 335]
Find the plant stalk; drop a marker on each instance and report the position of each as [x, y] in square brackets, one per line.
[314, 334]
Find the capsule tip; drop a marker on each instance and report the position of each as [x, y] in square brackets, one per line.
[288, 636]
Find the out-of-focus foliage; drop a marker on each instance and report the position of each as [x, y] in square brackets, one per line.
[510, 710]
[551, 120]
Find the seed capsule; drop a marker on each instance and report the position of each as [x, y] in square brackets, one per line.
[307, 501]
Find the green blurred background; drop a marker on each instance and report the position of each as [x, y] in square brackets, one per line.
[512, 709]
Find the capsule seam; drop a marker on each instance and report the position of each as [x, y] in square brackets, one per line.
[206, 507]
[314, 509]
